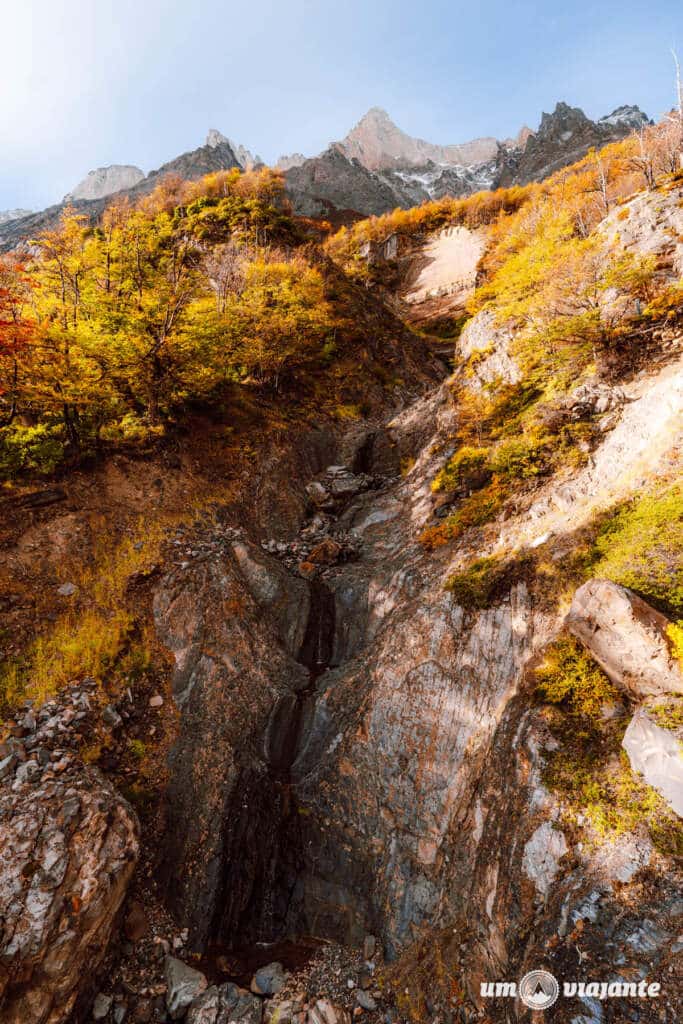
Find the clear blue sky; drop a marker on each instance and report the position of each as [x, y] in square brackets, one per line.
[93, 82]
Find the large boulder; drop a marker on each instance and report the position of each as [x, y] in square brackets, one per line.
[68, 847]
[658, 755]
[627, 638]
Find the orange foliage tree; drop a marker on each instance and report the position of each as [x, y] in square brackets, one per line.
[16, 331]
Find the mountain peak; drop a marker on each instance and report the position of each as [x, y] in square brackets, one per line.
[376, 114]
[379, 145]
[246, 159]
[630, 116]
[214, 138]
[105, 181]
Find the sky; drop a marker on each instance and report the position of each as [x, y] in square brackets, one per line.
[86, 83]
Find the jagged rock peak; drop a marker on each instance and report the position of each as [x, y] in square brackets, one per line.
[104, 181]
[629, 116]
[286, 162]
[378, 144]
[244, 157]
[562, 116]
[623, 119]
[215, 138]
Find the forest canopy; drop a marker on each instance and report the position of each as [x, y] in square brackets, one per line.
[110, 332]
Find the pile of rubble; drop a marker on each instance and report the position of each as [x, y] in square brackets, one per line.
[40, 744]
[322, 543]
[338, 985]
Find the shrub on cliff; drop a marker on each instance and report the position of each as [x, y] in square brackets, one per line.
[641, 547]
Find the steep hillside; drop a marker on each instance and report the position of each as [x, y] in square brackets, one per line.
[340, 688]
[418, 258]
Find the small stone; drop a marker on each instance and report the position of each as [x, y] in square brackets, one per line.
[156, 701]
[327, 552]
[67, 589]
[136, 924]
[120, 1012]
[183, 985]
[29, 722]
[101, 1006]
[111, 717]
[365, 1000]
[350, 983]
[29, 771]
[268, 980]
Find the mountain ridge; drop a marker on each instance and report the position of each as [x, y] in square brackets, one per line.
[373, 169]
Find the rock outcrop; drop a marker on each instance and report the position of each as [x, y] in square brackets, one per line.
[68, 847]
[565, 136]
[105, 181]
[489, 344]
[378, 144]
[657, 754]
[8, 215]
[333, 183]
[627, 638]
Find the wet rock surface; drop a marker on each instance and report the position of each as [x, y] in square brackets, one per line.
[382, 756]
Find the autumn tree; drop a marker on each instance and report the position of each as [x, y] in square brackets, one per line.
[280, 321]
[16, 333]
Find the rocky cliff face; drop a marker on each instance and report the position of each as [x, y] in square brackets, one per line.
[378, 144]
[564, 137]
[399, 788]
[105, 181]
